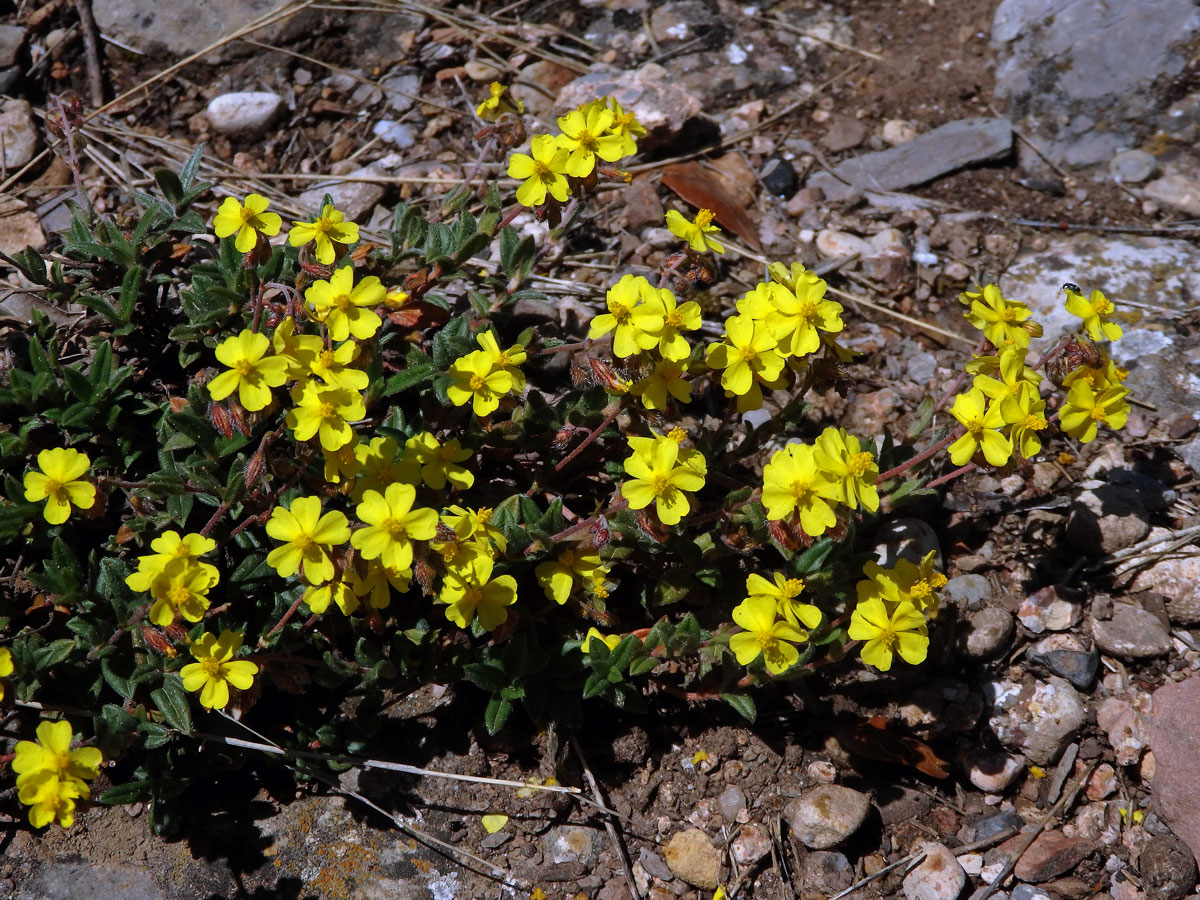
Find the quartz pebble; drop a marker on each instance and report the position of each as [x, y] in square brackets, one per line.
[731, 802]
[1052, 608]
[993, 772]
[987, 633]
[836, 244]
[244, 113]
[898, 131]
[1132, 166]
[823, 817]
[938, 876]
[1039, 719]
[751, 844]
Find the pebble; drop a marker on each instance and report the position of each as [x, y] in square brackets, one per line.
[401, 90]
[778, 176]
[956, 271]
[997, 824]
[836, 244]
[987, 633]
[843, 133]
[898, 131]
[692, 858]
[1132, 166]
[1039, 719]
[1167, 867]
[751, 844]
[1175, 191]
[1107, 518]
[1126, 720]
[945, 149]
[1051, 854]
[993, 772]
[1029, 892]
[355, 199]
[825, 872]
[478, 70]
[1132, 633]
[823, 817]
[1103, 782]
[395, 133]
[968, 592]
[906, 538]
[655, 865]
[822, 771]
[1052, 608]
[498, 839]
[21, 226]
[18, 132]
[731, 802]
[244, 113]
[1070, 656]
[12, 37]
[570, 843]
[938, 877]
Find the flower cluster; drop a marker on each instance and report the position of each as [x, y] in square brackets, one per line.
[176, 578]
[663, 472]
[892, 610]
[774, 620]
[599, 131]
[484, 376]
[51, 776]
[805, 483]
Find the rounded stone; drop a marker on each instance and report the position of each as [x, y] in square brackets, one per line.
[1132, 166]
[970, 592]
[244, 113]
[987, 633]
[898, 131]
[938, 877]
[1039, 719]
[993, 771]
[837, 244]
[692, 857]
[824, 816]
[751, 844]
[1132, 633]
[731, 802]
[19, 132]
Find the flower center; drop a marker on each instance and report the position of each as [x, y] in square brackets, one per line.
[244, 368]
[800, 488]
[542, 172]
[661, 485]
[1099, 414]
[860, 463]
[212, 668]
[178, 595]
[704, 218]
[326, 359]
[748, 353]
[473, 596]
[302, 542]
[974, 426]
[395, 528]
[623, 314]
[587, 141]
[791, 588]
[476, 382]
[674, 319]
[342, 302]
[61, 762]
[1034, 422]
[327, 412]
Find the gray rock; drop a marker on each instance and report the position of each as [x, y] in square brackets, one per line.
[12, 38]
[1052, 608]
[570, 843]
[938, 876]
[1029, 892]
[925, 157]
[1176, 580]
[82, 881]
[994, 771]
[1168, 868]
[497, 839]
[1176, 191]
[681, 20]
[731, 801]
[997, 824]
[19, 226]
[1132, 633]
[175, 27]
[910, 539]
[402, 90]
[655, 865]
[1161, 372]
[752, 844]
[354, 198]
[1106, 518]
[1175, 741]
[837, 244]
[661, 103]
[987, 633]
[825, 872]
[1039, 719]
[824, 816]
[1069, 656]
[1132, 166]
[18, 132]
[244, 113]
[968, 592]
[1059, 89]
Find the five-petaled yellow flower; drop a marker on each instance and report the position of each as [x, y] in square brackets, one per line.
[51, 776]
[469, 590]
[307, 537]
[327, 230]
[1087, 409]
[251, 372]
[636, 314]
[544, 172]
[392, 525]
[695, 232]
[60, 483]
[794, 484]
[983, 421]
[325, 412]
[216, 669]
[477, 382]
[657, 475]
[498, 102]
[343, 305]
[765, 635]
[900, 629]
[1095, 312]
[586, 135]
[246, 221]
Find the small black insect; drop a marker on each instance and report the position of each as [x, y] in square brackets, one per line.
[1072, 287]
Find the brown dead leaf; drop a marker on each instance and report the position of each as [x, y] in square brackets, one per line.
[872, 739]
[706, 189]
[418, 314]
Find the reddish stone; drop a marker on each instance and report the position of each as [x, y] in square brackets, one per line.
[1051, 855]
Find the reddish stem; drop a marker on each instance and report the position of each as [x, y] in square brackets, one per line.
[923, 455]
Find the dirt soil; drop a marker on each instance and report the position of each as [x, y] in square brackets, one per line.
[264, 833]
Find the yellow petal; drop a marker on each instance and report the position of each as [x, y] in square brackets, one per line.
[493, 822]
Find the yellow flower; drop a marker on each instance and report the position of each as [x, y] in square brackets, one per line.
[557, 577]
[1085, 410]
[475, 525]
[181, 587]
[6, 667]
[342, 464]
[295, 348]
[59, 483]
[504, 360]
[800, 310]
[333, 367]
[841, 458]
[491, 108]
[609, 640]
[246, 221]
[917, 584]
[51, 799]
[983, 422]
[326, 412]
[326, 230]
[635, 313]
[307, 537]
[1010, 366]
[216, 669]
[543, 172]
[379, 466]
[51, 776]
[170, 546]
[626, 126]
[793, 484]
[747, 354]
[764, 636]
[469, 591]
[251, 373]
[695, 232]
[375, 586]
[671, 343]
[656, 478]
[999, 319]
[319, 596]
[1025, 414]
[783, 593]
[438, 461]
[1095, 312]
[341, 304]
[585, 135]
[393, 525]
[476, 381]
[886, 632]
[667, 378]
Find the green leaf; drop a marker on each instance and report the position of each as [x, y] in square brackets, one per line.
[38, 358]
[488, 676]
[78, 384]
[496, 714]
[451, 342]
[172, 701]
[407, 378]
[743, 703]
[642, 665]
[129, 792]
[53, 653]
[812, 559]
[595, 685]
[117, 682]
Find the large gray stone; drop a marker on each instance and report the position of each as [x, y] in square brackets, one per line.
[1061, 84]
[180, 27]
[83, 881]
[938, 152]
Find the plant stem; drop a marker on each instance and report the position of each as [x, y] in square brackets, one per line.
[923, 455]
[608, 420]
[950, 476]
